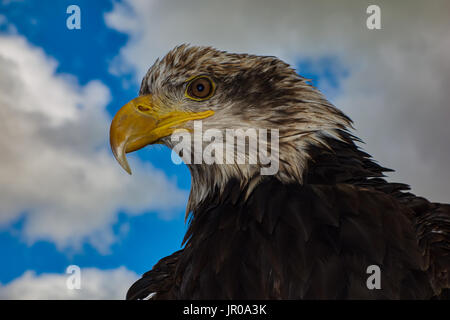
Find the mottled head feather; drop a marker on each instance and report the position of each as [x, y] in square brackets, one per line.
[251, 92]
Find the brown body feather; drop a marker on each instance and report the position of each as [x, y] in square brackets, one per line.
[312, 240]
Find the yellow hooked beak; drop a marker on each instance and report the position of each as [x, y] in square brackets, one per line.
[142, 122]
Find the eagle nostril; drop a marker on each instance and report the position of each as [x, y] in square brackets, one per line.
[142, 108]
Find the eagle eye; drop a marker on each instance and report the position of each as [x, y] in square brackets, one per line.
[200, 88]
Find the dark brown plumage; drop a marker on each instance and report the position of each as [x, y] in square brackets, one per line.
[311, 230]
[312, 241]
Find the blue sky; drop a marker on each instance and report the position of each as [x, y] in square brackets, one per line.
[86, 53]
[354, 82]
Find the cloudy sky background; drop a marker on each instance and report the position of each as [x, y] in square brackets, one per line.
[64, 200]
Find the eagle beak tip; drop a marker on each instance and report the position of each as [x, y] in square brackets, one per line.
[124, 163]
[120, 155]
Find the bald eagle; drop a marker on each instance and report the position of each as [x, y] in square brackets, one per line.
[314, 228]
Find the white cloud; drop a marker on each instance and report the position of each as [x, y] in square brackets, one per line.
[397, 76]
[56, 166]
[95, 284]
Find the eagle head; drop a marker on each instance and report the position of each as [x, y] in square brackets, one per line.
[226, 91]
